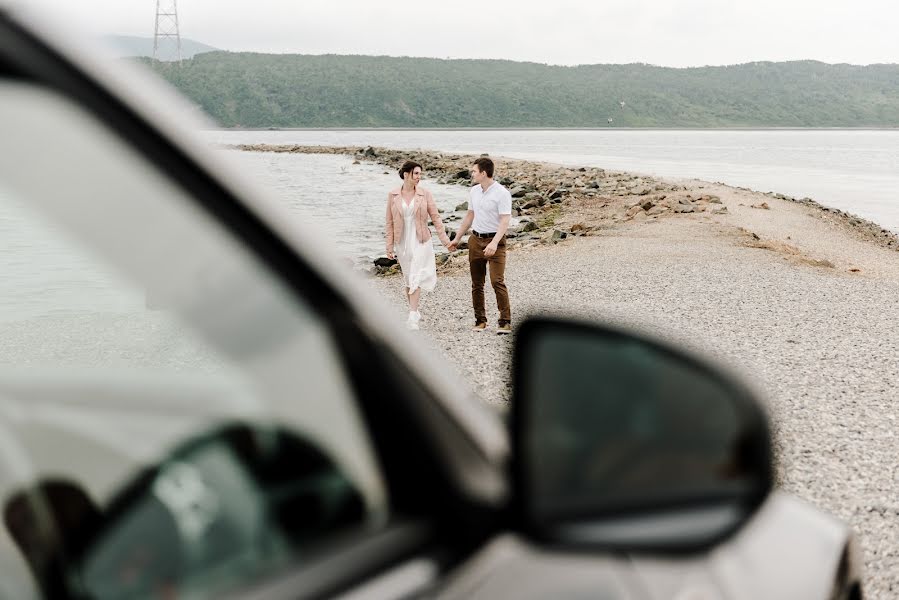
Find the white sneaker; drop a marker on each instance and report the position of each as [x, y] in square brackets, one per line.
[412, 321]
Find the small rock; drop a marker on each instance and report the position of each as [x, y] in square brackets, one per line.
[763, 205]
[463, 206]
[634, 210]
[383, 261]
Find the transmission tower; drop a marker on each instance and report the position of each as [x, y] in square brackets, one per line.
[167, 39]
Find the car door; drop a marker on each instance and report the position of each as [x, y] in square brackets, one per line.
[192, 408]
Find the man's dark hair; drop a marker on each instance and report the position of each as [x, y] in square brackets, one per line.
[408, 167]
[485, 165]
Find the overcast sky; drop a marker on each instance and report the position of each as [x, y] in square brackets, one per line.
[677, 33]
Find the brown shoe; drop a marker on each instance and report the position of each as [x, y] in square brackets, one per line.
[479, 327]
[504, 329]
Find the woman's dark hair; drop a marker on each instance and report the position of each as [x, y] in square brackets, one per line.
[408, 167]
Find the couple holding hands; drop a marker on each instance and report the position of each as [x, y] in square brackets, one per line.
[409, 239]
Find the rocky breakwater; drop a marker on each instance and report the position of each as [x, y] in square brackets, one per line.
[554, 203]
[551, 203]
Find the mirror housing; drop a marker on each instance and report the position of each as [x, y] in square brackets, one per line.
[621, 442]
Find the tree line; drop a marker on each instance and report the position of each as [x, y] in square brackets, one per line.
[270, 90]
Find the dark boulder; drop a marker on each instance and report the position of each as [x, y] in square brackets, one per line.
[383, 262]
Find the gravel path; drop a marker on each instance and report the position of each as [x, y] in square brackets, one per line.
[820, 344]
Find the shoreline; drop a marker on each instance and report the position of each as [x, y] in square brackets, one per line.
[567, 201]
[772, 128]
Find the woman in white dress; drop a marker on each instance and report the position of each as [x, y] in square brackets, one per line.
[409, 238]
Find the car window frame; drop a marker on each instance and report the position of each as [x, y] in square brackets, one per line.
[366, 359]
[480, 440]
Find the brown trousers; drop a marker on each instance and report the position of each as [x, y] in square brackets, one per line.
[478, 265]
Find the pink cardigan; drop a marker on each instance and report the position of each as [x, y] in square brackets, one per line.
[423, 207]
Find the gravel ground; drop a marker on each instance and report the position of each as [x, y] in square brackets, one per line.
[820, 344]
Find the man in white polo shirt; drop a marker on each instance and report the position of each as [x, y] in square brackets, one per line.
[489, 211]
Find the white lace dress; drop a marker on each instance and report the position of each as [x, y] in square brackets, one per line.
[416, 258]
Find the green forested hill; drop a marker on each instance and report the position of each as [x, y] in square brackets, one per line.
[269, 90]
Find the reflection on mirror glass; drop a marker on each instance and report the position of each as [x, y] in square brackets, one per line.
[617, 424]
[219, 512]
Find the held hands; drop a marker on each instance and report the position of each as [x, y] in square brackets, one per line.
[452, 246]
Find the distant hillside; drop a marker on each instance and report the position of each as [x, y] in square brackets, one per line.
[266, 90]
[129, 45]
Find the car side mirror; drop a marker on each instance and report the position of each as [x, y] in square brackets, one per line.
[625, 443]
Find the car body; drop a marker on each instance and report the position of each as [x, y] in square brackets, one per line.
[202, 403]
